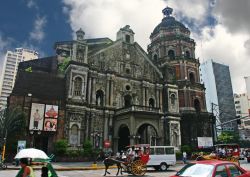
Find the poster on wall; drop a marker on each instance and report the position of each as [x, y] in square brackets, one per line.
[50, 124]
[36, 116]
[51, 111]
[205, 142]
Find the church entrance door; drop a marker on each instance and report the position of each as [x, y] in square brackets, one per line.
[123, 137]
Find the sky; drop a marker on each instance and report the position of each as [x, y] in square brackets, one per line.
[220, 28]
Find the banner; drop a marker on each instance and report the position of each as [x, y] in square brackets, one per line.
[50, 124]
[21, 144]
[51, 111]
[36, 116]
[205, 142]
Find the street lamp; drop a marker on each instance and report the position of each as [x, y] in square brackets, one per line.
[32, 133]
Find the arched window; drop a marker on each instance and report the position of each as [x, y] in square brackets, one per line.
[187, 54]
[172, 99]
[191, 77]
[127, 38]
[127, 101]
[197, 105]
[151, 102]
[99, 98]
[171, 54]
[155, 57]
[74, 135]
[78, 86]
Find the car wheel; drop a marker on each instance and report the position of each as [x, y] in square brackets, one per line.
[163, 167]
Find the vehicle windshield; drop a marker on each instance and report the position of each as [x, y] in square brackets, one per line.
[196, 170]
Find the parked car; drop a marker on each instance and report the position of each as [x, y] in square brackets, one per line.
[212, 168]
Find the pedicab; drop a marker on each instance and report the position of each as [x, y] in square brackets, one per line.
[37, 158]
[136, 165]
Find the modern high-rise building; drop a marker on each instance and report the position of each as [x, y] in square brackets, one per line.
[242, 110]
[9, 71]
[219, 93]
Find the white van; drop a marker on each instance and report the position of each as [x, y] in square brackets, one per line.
[161, 157]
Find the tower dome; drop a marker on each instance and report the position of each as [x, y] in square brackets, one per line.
[170, 25]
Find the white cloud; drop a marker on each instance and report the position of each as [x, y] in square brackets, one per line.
[226, 48]
[32, 4]
[37, 34]
[226, 43]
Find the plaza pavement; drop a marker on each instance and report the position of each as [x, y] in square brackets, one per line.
[68, 166]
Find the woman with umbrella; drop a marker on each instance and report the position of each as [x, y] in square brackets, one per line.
[27, 170]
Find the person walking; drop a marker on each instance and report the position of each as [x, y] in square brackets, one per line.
[184, 157]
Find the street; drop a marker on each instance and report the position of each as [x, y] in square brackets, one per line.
[97, 173]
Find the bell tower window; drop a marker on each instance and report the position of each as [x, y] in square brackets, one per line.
[187, 54]
[155, 57]
[191, 77]
[127, 38]
[197, 105]
[171, 54]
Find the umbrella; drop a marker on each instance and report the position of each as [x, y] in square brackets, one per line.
[31, 153]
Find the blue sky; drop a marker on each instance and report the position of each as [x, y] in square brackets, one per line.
[34, 24]
[221, 28]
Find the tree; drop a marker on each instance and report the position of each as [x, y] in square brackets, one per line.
[228, 137]
[11, 121]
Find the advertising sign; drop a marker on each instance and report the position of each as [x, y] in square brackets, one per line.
[51, 111]
[50, 124]
[36, 116]
[205, 142]
[21, 144]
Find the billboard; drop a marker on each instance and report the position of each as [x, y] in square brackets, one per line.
[36, 116]
[50, 124]
[205, 142]
[51, 111]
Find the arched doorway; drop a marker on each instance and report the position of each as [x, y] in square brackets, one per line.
[123, 137]
[127, 100]
[147, 134]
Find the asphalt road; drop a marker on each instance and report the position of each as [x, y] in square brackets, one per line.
[97, 173]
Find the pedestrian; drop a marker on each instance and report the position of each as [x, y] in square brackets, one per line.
[45, 171]
[184, 157]
[27, 170]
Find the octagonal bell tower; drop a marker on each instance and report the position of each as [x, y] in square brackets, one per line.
[172, 46]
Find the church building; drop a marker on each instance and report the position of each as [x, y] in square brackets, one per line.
[113, 91]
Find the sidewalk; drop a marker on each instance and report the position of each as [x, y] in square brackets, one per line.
[70, 166]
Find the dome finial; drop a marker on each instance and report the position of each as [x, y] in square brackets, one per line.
[167, 11]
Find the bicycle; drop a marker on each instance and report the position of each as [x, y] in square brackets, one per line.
[3, 166]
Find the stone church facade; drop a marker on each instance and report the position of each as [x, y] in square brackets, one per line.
[115, 91]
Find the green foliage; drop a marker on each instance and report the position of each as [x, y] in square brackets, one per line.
[186, 148]
[73, 153]
[29, 69]
[228, 137]
[87, 148]
[60, 147]
[62, 66]
[12, 121]
[178, 155]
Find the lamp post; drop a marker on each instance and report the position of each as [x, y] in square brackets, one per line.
[32, 133]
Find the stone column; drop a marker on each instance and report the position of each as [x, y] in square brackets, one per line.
[93, 90]
[107, 91]
[111, 91]
[106, 126]
[89, 89]
[143, 95]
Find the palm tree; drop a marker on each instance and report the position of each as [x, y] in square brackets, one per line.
[11, 121]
